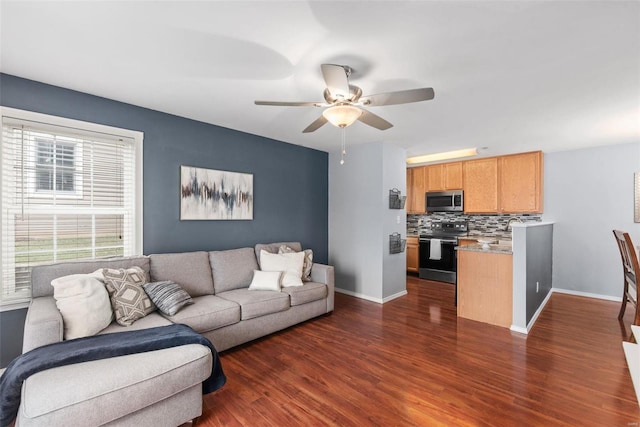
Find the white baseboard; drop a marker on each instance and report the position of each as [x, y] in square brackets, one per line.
[394, 296]
[369, 298]
[519, 329]
[539, 310]
[586, 294]
[526, 330]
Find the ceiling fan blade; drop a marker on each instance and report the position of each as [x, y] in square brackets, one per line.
[399, 97]
[374, 120]
[315, 125]
[292, 104]
[335, 76]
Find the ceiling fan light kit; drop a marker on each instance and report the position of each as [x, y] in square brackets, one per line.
[342, 115]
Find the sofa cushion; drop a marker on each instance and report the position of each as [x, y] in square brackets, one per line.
[190, 270]
[105, 390]
[149, 321]
[128, 299]
[274, 247]
[208, 312]
[232, 269]
[42, 275]
[257, 303]
[84, 304]
[311, 291]
[167, 296]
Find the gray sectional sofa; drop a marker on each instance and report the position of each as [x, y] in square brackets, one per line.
[225, 311]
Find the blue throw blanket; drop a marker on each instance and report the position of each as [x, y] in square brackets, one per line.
[95, 348]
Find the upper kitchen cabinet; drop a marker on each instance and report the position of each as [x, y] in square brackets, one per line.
[452, 175]
[415, 190]
[521, 183]
[481, 185]
[434, 181]
[445, 176]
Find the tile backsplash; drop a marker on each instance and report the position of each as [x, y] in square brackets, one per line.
[485, 225]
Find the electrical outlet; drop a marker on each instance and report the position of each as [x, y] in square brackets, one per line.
[537, 287]
[398, 219]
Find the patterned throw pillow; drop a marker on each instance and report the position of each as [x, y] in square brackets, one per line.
[168, 296]
[128, 298]
[308, 261]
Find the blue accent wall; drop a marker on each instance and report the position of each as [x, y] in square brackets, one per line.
[290, 182]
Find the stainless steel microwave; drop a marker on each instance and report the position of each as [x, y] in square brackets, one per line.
[444, 201]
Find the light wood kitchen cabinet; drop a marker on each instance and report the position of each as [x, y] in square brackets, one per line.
[466, 241]
[521, 183]
[481, 185]
[413, 250]
[418, 189]
[434, 181]
[485, 287]
[408, 204]
[452, 176]
[445, 176]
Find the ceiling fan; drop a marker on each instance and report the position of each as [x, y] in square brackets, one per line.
[345, 101]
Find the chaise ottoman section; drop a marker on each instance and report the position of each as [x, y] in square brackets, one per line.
[257, 303]
[101, 391]
[309, 292]
[208, 312]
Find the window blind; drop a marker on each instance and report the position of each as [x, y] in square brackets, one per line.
[67, 194]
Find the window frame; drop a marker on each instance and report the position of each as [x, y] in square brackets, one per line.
[90, 129]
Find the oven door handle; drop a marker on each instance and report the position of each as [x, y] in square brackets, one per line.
[441, 241]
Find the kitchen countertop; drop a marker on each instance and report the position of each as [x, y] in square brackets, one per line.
[494, 249]
[496, 236]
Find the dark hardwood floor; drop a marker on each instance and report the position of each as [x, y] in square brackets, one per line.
[413, 362]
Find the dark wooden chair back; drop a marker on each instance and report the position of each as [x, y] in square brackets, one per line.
[631, 272]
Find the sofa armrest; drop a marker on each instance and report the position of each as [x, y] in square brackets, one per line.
[43, 324]
[322, 273]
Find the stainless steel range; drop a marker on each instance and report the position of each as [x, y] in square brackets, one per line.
[438, 258]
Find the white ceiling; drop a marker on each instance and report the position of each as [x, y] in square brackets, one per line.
[511, 76]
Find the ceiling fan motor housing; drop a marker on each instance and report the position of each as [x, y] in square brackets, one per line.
[354, 95]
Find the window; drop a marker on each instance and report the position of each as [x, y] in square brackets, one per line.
[70, 190]
[56, 165]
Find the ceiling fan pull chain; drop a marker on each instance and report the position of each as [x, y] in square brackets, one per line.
[344, 150]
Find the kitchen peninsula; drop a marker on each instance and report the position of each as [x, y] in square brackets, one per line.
[507, 286]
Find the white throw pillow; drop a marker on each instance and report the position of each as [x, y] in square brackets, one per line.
[308, 261]
[265, 281]
[84, 304]
[290, 264]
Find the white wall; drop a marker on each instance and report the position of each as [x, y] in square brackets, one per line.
[394, 175]
[360, 220]
[588, 193]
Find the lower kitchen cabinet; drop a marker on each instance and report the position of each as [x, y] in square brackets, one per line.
[413, 251]
[485, 287]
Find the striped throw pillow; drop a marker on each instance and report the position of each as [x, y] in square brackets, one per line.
[168, 296]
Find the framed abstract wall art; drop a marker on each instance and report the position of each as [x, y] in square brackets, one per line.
[208, 194]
